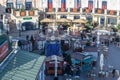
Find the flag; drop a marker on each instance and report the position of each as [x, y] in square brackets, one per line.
[104, 5]
[75, 4]
[63, 4]
[49, 4]
[90, 4]
[78, 4]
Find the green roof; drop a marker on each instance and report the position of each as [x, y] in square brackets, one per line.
[24, 66]
[3, 38]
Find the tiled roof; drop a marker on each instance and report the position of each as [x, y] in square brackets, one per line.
[24, 66]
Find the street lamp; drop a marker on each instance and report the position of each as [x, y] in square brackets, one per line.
[37, 24]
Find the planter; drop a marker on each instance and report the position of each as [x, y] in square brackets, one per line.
[62, 10]
[50, 9]
[111, 12]
[31, 13]
[87, 10]
[14, 12]
[22, 13]
[75, 10]
[99, 11]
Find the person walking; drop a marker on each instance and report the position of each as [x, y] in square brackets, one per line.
[113, 72]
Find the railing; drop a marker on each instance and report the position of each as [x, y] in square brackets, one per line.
[74, 10]
[111, 12]
[18, 13]
[99, 11]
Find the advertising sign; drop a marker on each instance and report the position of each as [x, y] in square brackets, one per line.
[3, 50]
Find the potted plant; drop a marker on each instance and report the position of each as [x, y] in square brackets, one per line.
[87, 10]
[14, 11]
[22, 12]
[31, 12]
[115, 29]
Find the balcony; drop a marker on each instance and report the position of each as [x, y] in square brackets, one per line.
[99, 11]
[86, 10]
[111, 12]
[50, 10]
[74, 10]
[18, 13]
[62, 10]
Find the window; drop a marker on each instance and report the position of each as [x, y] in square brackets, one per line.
[19, 4]
[9, 5]
[112, 21]
[28, 5]
[63, 16]
[76, 17]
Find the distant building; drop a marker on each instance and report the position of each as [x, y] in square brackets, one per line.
[100, 11]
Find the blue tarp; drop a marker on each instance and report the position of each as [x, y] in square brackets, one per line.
[53, 48]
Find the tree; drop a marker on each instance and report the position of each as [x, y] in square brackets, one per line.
[115, 29]
[88, 25]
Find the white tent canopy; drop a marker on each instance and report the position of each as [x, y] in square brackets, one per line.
[101, 61]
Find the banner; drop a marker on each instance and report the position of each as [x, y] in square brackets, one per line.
[3, 50]
[75, 4]
[49, 4]
[78, 4]
[90, 4]
[63, 4]
[104, 5]
[52, 48]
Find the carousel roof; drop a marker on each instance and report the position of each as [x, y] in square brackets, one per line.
[47, 20]
[63, 20]
[79, 21]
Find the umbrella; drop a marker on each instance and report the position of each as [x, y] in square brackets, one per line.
[79, 21]
[47, 20]
[101, 61]
[63, 20]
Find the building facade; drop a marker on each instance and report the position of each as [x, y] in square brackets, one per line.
[105, 12]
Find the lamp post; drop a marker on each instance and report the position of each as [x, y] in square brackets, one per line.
[19, 28]
[37, 24]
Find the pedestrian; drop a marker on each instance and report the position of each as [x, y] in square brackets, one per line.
[27, 37]
[32, 41]
[113, 72]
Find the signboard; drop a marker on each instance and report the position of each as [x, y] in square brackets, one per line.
[3, 50]
[27, 18]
